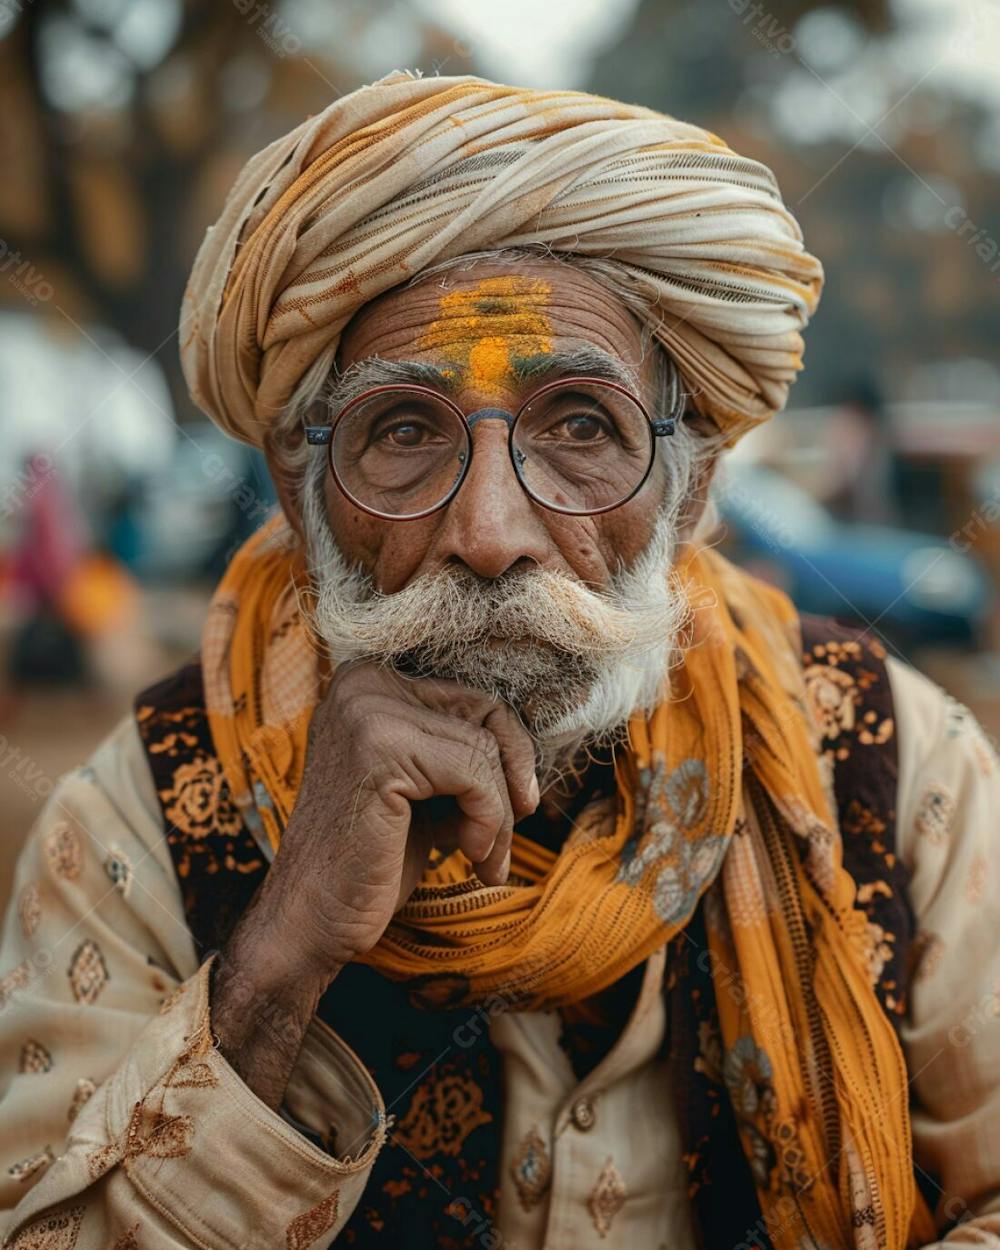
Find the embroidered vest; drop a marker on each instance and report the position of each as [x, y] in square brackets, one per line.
[435, 1183]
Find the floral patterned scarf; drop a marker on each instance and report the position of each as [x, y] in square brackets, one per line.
[719, 795]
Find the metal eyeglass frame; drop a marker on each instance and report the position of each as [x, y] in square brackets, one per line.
[322, 435]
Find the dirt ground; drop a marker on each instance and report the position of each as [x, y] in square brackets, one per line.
[54, 731]
[45, 733]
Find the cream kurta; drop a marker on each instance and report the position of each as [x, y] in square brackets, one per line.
[121, 1126]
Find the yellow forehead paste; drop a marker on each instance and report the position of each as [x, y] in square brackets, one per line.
[485, 326]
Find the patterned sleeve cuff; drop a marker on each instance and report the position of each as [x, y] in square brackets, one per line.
[208, 1155]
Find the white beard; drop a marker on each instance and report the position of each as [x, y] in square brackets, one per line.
[573, 663]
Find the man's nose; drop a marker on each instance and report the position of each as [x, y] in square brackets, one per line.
[491, 524]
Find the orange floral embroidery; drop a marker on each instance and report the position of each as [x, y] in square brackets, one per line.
[709, 1059]
[832, 698]
[149, 1133]
[305, 1228]
[445, 1109]
[879, 950]
[861, 819]
[396, 1188]
[156, 1135]
[871, 730]
[193, 1075]
[198, 802]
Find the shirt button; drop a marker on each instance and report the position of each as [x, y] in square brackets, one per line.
[583, 1115]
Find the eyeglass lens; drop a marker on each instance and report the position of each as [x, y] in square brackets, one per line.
[581, 448]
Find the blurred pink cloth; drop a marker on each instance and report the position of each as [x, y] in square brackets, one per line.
[51, 543]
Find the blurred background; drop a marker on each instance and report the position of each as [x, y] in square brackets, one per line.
[876, 498]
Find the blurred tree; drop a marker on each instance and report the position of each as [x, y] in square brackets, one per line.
[692, 59]
[880, 161]
[124, 122]
[108, 143]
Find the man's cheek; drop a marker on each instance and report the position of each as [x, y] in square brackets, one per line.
[400, 553]
[359, 536]
[589, 546]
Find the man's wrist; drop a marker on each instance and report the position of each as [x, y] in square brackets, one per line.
[259, 1017]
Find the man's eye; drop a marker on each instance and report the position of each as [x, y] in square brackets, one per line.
[405, 434]
[582, 428]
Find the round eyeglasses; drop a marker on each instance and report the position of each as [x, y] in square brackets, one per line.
[578, 446]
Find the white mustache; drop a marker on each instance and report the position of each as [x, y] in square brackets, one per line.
[454, 607]
[573, 661]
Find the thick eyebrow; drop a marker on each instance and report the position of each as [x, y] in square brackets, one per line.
[341, 388]
[587, 362]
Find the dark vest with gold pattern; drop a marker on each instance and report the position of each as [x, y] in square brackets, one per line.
[435, 1182]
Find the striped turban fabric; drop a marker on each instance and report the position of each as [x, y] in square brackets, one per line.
[411, 171]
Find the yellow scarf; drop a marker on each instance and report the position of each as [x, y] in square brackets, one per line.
[719, 794]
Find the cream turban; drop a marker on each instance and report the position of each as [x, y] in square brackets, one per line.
[410, 171]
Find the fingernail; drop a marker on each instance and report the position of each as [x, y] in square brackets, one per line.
[533, 793]
[505, 867]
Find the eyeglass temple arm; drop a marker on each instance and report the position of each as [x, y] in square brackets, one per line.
[678, 402]
[318, 435]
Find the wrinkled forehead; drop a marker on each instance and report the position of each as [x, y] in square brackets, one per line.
[488, 326]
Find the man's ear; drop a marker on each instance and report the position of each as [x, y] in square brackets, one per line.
[287, 484]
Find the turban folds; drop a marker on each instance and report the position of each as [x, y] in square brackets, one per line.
[408, 172]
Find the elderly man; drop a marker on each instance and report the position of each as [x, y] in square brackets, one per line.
[508, 870]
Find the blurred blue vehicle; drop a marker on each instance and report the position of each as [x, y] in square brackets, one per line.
[915, 589]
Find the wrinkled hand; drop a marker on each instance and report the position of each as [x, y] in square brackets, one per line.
[394, 769]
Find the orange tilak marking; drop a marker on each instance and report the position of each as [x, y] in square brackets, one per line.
[488, 323]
